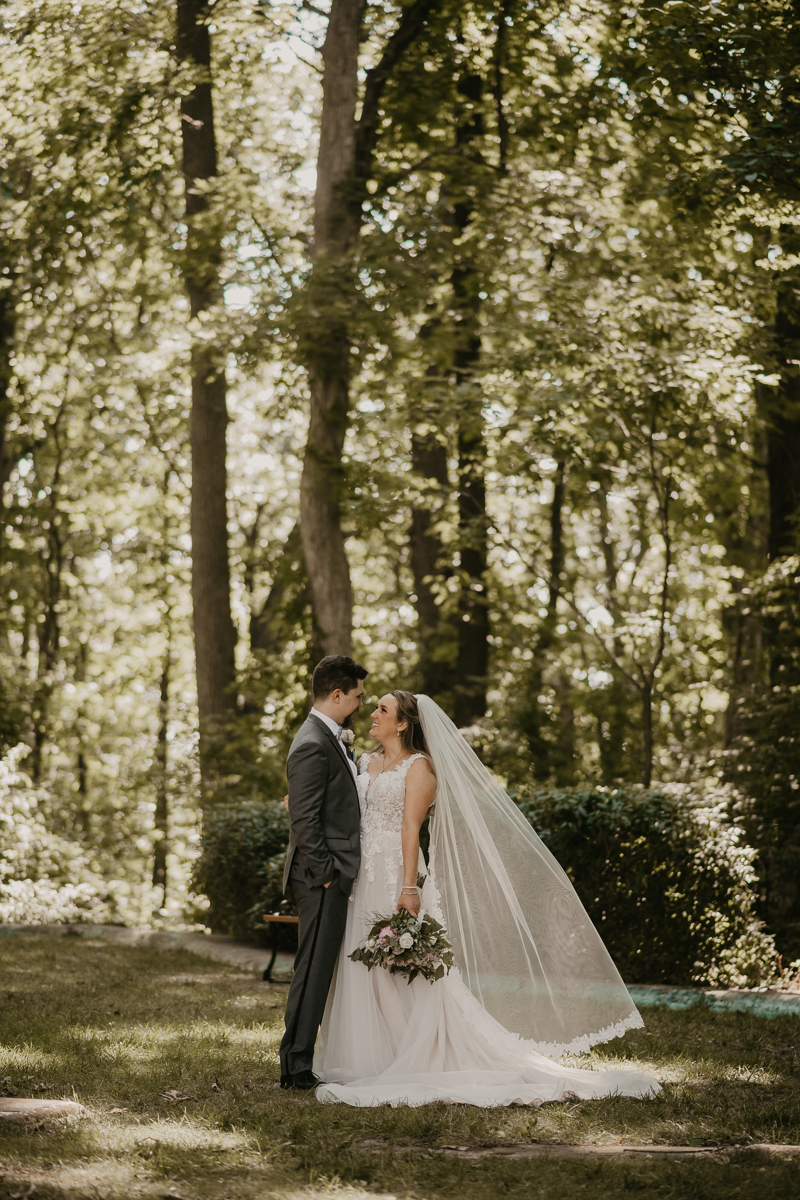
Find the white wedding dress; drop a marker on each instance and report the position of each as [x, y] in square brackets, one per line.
[385, 1041]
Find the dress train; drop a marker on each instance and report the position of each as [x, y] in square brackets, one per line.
[385, 1041]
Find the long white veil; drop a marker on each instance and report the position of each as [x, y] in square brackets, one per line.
[521, 938]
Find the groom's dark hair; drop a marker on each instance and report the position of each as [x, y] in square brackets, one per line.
[336, 671]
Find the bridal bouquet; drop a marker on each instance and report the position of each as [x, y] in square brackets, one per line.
[406, 945]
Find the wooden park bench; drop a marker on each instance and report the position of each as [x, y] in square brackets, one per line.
[276, 920]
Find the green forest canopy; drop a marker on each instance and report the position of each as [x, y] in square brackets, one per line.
[511, 289]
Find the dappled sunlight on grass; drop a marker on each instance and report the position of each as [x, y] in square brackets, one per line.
[176, 1062]
[26, 1058]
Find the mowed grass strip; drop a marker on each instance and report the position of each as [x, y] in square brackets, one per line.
[186, 1051]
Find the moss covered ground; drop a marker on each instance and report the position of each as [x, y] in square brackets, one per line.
[175, 1060]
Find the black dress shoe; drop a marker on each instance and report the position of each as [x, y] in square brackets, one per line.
[304, 1081]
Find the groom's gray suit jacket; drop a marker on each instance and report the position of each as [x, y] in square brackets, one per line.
[323, 809]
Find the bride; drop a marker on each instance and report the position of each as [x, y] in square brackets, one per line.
[532, 979]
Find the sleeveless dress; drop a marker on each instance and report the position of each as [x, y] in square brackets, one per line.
[385, 1041]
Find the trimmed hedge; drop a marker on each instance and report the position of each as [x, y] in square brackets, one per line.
[240, 868]
[665, 877]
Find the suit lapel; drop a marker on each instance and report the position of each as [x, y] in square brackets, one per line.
[339, 747]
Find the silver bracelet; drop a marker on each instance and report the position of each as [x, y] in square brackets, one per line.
[409, 890]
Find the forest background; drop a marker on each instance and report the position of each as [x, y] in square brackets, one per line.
[462, 338]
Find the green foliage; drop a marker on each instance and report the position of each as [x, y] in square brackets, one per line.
[406, 945]
[621, 323]
[737, 58]
[240, 869]
[665, 876]
[45, 877]
[764, 759]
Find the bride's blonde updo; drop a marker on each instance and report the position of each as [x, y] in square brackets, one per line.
[412, 738]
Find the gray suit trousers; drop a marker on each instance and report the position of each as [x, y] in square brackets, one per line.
[323, 916]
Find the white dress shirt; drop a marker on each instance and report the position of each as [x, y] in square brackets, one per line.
[336, 730]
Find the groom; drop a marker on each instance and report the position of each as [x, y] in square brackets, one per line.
[324, 855]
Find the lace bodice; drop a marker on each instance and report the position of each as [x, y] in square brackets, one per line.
[382, 800]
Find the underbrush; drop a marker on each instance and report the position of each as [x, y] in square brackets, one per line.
[46, 877]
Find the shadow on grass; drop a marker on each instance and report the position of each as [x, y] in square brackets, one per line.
[182, 1160]
[188, 1051]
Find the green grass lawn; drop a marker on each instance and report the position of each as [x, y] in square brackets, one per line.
[176, 1061]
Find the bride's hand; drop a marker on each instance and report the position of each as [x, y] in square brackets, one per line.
[410, 902]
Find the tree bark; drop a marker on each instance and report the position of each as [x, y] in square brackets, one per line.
[6, 349]
[80, 821]
[49, 627]
[647, 732]
[783, 416]
[437, 637]
[344, 163]
[612, 720]
[472, 663]
[662, 485]
[214, 633]
[327, 344]
[747, 549]
[48, 632]
[532, 719]
[273, 625]
[161, 818]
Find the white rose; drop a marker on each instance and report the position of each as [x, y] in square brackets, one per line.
[348, 737]
[406, 941]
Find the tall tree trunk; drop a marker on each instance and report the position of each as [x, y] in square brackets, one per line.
[467, 678]
[344, 164]
[48, 631]
[8, 724]
[783, 415]
[327, 344]
[646, 696]
[437, 638]
[80, 821]
[472, 664]
[214, 633]
[662, 486]
[6, 350]
[287, 601]
[612, 720]
[161, 819]
[531, 717]
[747, 549]
[562, 753]
[49, 627]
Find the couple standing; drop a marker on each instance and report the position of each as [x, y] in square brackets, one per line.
[532, 979]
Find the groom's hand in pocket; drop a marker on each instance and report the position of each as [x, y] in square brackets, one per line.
[286, 806]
